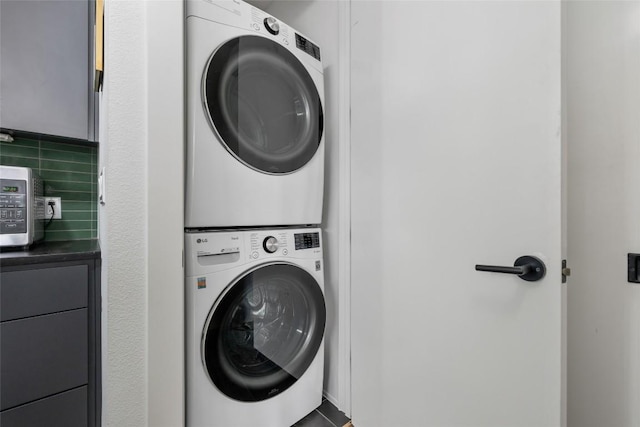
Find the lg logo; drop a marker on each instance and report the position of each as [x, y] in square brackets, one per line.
[201, 241]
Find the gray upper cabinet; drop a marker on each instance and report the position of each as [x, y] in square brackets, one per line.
[46, 61]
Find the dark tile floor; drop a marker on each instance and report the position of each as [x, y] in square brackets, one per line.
[325, 415]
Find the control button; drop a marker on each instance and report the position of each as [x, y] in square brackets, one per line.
[19, 213]
[256, 26]
[285, 252]
[3, 214]
[255, 255]
[272, 25]
[285, 41]
[270, 244]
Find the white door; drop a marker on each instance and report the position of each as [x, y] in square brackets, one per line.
[456, 161]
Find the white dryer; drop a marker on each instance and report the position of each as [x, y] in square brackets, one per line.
[255, 94]
[255, 320]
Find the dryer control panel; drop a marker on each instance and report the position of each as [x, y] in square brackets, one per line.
[243, 15]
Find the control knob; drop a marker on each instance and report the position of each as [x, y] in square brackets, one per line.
[272, 25]
[270, 244]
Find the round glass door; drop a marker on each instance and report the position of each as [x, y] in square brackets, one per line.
[264, 333]
[264, 105]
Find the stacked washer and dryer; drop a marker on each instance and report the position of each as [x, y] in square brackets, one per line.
[255, 308]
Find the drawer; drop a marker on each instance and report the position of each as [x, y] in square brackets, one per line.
[68, 409]
[41, 356]
[42, 291]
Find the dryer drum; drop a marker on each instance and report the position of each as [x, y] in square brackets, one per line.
[264, 104]
[265, 332]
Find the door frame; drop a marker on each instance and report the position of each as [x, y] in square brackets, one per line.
[344, 210]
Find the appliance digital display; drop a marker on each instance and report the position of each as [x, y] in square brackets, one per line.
[9, 189]
[309, 47]
[307, 240]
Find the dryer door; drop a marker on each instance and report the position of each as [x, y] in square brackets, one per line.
[263, 104]
[264, 332]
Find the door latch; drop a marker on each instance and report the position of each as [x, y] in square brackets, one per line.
[633, 264]
[566, 271]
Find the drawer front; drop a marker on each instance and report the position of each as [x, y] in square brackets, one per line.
[41, 291]
[68, 409]
[41, 356]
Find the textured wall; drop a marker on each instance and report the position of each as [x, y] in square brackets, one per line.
[123, 227]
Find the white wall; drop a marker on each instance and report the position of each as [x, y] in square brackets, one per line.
[165, 219]
[123, 226]
[319, 20]
[141, 146]
[602, 40]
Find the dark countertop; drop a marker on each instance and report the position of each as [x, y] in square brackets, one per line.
[68, 250]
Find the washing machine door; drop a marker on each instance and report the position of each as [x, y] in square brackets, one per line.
[263, 104]
[264, 332]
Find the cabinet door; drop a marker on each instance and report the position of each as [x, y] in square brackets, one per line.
[68, 409]
[44, 45]
[42, 355]
[42, 291]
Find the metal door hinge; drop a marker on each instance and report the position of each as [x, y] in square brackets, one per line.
[566, 271]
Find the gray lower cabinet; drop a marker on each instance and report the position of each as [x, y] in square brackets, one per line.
[46, 48]
[50, 345]
[67, 409]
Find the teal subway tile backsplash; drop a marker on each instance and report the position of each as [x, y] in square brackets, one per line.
[55, 166]
[69, 235]
[69, 172]
[18, 161]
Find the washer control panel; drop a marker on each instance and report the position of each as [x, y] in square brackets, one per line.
[306, 240]
[208, 251]
[270, 244]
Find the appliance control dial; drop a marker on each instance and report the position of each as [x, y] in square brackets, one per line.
[270, 244]
[272, 25]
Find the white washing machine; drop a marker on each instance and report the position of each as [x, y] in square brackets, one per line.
[255, 144]
[255, 320]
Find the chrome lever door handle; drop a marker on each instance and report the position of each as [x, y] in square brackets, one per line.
[526, 267]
